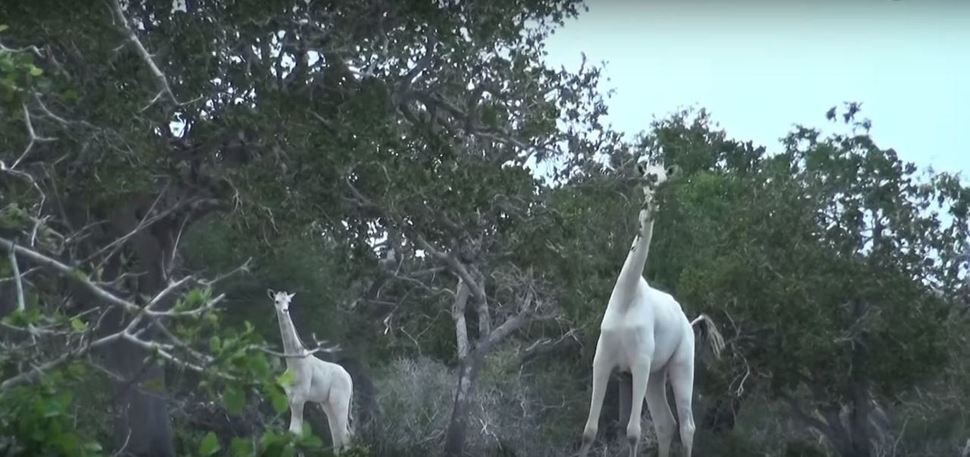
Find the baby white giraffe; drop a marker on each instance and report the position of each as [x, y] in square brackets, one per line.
[646, 333]
[314, 380]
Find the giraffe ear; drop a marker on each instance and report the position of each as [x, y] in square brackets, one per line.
[672, 171]
[290, 296]
[641, 168]
[270, 293]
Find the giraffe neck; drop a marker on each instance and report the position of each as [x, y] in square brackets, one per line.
[291, 340]
[636, 260]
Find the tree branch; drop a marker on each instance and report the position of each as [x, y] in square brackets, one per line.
[17, 280]
[510, 325]
[71, 354]
[160, 78]
[454, 265]
[69, 272]
[458, 316]
[33, 138]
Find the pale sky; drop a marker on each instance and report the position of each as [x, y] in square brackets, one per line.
[761, 66]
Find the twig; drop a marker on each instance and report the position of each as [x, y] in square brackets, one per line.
[31, 48]
[167, 290]
[50, 114]
[33, 138]
[30, 179]
[306, 353]
[33, 233]
[175, 245]
[124, 445]
[67, 356]
[244, 268]
[162, 350]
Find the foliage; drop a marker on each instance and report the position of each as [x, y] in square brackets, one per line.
[39, 419]
[828, 259]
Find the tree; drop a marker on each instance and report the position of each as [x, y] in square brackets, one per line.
[834, 261]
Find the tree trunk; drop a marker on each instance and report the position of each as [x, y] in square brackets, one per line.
[859, 407]
[464, 400]
[142, 426]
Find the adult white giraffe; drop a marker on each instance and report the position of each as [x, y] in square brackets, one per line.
[646, 332]
[314, 380]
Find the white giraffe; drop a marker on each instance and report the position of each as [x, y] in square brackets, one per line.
[314, 380]
[645, 332]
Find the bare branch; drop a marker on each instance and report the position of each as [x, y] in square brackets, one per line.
[508, 327]
[33, 232]
[458, 316]
[164, 88]
[33, 138]
[34, 49]
[306, 352]
[546, 345]
[17, 280]
[192, 312]
[432, 41]
[244, 268]
[30, 179]
[69, 272]
[167, 290]
[23, 275]
[67, 356]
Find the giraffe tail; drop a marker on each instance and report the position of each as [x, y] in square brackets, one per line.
[709, 329]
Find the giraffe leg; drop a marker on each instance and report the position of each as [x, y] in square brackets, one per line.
[660, 414]
[296, 416]
[682, 383]
[601, 375]
[641, 374]
[338, 410]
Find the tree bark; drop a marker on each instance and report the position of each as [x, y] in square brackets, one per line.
[465, 396]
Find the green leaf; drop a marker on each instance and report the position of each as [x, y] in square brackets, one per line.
[235, 399]
[209, 445]
[310, 441]
[215, 343]
[286, 379]
[4, 27]
[34, 71]
[278, 399]
[67, 442]
[241, 447]
[78, 325]
[259, 366]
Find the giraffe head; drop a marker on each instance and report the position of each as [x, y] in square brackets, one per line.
[281, 299]
[654, 176]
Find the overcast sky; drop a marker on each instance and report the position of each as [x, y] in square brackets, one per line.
[761, 66]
